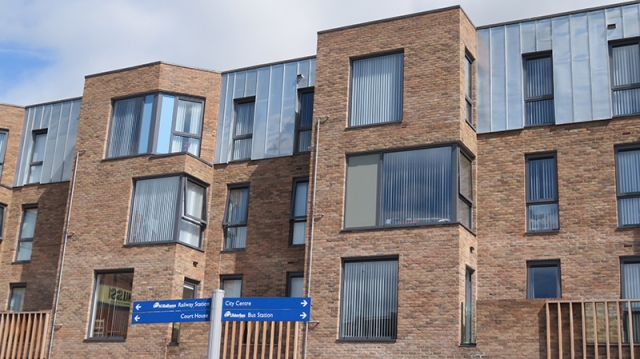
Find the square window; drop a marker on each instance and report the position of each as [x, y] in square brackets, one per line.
[299, 212]
[235, 219]
[305, 122]
[628, 186]
[156, 202]
[243, 130]
[232, 285]
[16, 297]
[111, 305]
[295, 284]
[543, 279]
[376, 90]
[538, 100]
[27, 230]
[625, 78]
[37, 156]
[156, 123]
[369, 300]
[542, 193]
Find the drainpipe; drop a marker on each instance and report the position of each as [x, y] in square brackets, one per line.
[313, 221]
[64, 248]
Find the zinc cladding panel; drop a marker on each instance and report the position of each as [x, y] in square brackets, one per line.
[275, 89]
[580, 52]
[60, 119]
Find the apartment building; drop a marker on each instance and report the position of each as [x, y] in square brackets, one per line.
[440, 190]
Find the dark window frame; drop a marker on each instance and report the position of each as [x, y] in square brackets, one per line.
[226, 225]
[155, 122]
[180, 210]
[13, 286]
[25, 208]
[299, 128]
[619, 194]
[468, 93]
[92, 313]
[295, 219]
[235, 137]
[224, 277]
[176, 326]
[34, 135]
[291, 275]
[626, 260]
[527, 98]
[611, 45]
[554, 200]
[3, 212]
[546, 263]
[462, 196]
[468, 330]
[3, 151]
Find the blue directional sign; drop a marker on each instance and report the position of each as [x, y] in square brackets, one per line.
[170, 317]
[284, 309]
[172, 305]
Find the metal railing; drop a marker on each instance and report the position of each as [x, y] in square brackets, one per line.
[23, 334]
[264, 340]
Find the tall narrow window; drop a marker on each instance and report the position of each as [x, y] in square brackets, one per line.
[369, 300]
[465, 191]
[111, 305]
[4, 135]
[468, 309]
[630, 289]
[232, 285]
[299, 212]
[189, 291]
[542, 193]
[376, 90]
[305, 121]
[37, 156]
[628, 186]
[468, 88]
[625, 78]
[3, 212]
[235, 219]
[27, 230]
[243, 130]
[543, 279]
[295, 284]
[16, 297]
[539, 107]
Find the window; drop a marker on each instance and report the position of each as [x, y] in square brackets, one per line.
[468, 308]
[16, 297]
[37, 156]
[376, 90]
[232, 285]
[4, 135]
[235, 219]
[305, 122]
[155, 204]
[465, 191]
[407, 188]
[111, 305]
[543, 279]
[538, 98]
[155, 123]
[3, 210]
[630, 289]
[189, 291]
[295, 284]
[628, 186]
[299, 212]
[27, 230]
[369, 300]
[542, 193]
[468, 88]
[625, 78]
[243, 130]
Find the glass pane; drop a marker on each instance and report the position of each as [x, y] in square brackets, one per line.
[544, 282]
[466, 177]
[195, 200]
[464, 213]
[39, 142]
[153, 214]
[539, 77]
[306, 110]
[166, 123]
[232, 288]
[376, 90]
[237, 205]
[468, 79]
[185, 144]
[540, 112]
[244, 118]
[112, 302]
[35, 172]
[242, 149]
[145, 128]
[3, 145]
[629, 171]
[189, 117]
[625, 60]
[236, 238]
[28, 223]
[17, 299]
[299, 232]
[300, 199]
[469, 113]
[296, 286]
[190, 233]
[362, 191]
[189, 290]
[369, 300]
[24, 251]
[416, 187]
[125, 127]
[304, 141]
[629, 211]
[543, 217]
[542, 179]
[626, 102]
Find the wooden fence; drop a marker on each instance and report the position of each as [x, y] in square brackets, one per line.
[23, 335]
[260, 340]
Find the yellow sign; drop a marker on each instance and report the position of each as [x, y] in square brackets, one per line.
[114, 296]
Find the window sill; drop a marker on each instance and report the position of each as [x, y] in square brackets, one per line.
[467, 345]
[365, 340]
[156, 155]
[233, 250]
[373, 228]
[105, 340]
[161, 243]
[541, 233]
[301, 245]
[5, 186]
[628, 228]
[540, 125]
[21, 262]
[390, 123]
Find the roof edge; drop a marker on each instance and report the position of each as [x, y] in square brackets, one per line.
[149, 64]
[269, 64]
[10, 104]
[52, 102]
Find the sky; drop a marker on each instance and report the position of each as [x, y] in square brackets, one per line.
[47, 47]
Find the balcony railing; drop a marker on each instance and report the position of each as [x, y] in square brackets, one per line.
[23, 335]
[593, 329]
[273, 340]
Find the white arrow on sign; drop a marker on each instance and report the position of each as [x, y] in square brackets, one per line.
[304, 303]
[303, 315]
[138, 306]
[137, 317]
